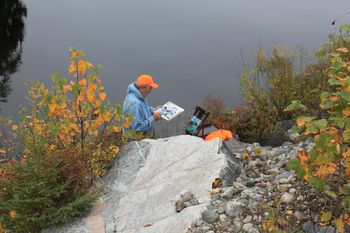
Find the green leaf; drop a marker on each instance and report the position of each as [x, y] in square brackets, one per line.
[317, 183]
[325, 95]
[295, 105]
[331, 194]
[294, 164]
[344, 95]
[321, 124]
[326, 216]
[345, 190]
[295, 129]
[327, 105]
[310, 129]
[321, 53]
[333, 82]
[345, 27]
[75, 90]
[60, 83]
[337, 121]
[55, 131]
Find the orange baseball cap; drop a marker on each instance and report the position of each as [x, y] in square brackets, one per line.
[146, 79]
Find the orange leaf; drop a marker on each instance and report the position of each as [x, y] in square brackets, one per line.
[99, 120]
[300, 122]
[334, 99]
[82, 67]
[82, 82]
[346, 218]
[103, 96]
[80, 98]
[93, 86]
[67, 88]
[346, 112]
[326, 169]
[347, 167]
[107, 116]
[90, 95]
[245, 155]
[12, 213]
[117, 129]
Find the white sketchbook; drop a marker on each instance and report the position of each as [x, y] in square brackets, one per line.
[170, 110]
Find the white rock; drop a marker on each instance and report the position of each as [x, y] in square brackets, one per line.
[287, 197]
[234, 208]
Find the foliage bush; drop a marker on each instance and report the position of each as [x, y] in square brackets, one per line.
[270, 86]
[327, 166]
[69, 136]
[35, 195]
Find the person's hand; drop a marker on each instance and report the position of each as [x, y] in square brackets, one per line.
[156, 116]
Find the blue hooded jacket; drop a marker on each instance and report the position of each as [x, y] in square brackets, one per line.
[136, 104]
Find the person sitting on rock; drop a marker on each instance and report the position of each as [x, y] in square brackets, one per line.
[135, 103]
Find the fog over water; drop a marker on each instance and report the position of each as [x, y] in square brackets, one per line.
[190, 47]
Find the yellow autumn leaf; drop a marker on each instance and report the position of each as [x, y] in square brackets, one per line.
[98, 102]
[334, 99]
[80, 98]
[289, 212]
[107, 116]
[215, 191]
[93, 86]
[245, 155]
[117, 129]
[52, 108]
[268, 225]
[342, 81]
[326, 169]
[343, 50]
[14, 127]
[82, 67]
[346, 112]
[71, 68]
[300, 122]
[89, 65]
[347, 89]
[347, 167]
[67, 88]
[82, 82]
[307, 177]
[339, 224]
[103, 96]
[90, 95]
[12, 214]
[99, 120]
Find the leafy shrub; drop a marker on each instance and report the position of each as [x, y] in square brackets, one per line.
[248, 123]
[35, 195]
[69, 136]
[327, 166]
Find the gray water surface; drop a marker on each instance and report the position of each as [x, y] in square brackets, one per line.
[190, 47]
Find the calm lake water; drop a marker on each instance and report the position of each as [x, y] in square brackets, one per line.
[191, 47]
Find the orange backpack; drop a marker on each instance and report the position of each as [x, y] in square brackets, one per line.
[223, 134]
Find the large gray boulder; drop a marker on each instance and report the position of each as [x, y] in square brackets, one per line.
[148, 178]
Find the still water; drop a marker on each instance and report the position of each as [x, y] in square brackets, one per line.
[190, 47]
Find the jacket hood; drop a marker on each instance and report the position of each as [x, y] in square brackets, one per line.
[133, 90]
